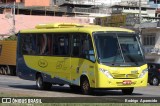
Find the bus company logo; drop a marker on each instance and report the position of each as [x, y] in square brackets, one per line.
[126, 75]
[42, 63]
[6, 100]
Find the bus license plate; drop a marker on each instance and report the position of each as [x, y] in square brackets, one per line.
[127, 82]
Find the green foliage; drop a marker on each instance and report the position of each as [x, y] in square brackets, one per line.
[12, 37]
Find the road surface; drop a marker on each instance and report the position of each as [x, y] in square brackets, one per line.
[15, 85]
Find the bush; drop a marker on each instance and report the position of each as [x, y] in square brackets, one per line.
[12, 37]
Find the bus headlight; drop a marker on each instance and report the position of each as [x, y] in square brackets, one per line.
[107, 73]
[143, 73]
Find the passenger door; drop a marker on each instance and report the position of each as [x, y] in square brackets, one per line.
[82, 61]
[62, 60]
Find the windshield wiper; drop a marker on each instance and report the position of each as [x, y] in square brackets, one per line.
[115, 58]
[132, 59]
[118, 49]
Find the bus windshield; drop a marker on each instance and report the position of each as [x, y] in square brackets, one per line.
[118, 48]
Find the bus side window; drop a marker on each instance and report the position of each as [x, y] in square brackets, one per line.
[61, 46]
[87, 50]
[26, 44]
[54, 45]
[76, 45]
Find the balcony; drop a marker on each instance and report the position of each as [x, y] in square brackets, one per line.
[90, 10]
[84, 2]
[117, 11]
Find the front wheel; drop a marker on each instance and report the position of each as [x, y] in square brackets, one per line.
[127, 91]
[85, 87]
[41, 84]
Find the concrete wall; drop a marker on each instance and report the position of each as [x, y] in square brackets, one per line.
[28, 21]
[152, 57]
[37, 2]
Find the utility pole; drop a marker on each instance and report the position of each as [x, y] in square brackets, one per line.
[14, 11]
[140, 20]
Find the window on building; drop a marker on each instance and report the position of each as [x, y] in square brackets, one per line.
[155, 1]
[149, 40]
[22, 1]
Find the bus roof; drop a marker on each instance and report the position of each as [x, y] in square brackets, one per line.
[67, 27]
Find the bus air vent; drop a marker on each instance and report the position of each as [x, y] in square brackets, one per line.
[57, 25]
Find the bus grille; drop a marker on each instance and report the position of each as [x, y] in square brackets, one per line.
[131, 76]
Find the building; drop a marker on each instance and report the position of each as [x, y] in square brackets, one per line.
[134, 2]
[154, 3]
[28, 14]
[151, 41]
[127, 16]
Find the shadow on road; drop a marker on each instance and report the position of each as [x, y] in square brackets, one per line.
[64, 89]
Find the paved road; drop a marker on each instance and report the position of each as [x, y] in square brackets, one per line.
[15, 85]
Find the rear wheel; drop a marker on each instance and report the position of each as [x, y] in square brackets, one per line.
[41, 84]
[127, 91]
[85, 86]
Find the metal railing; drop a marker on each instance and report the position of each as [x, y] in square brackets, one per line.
[90, 10]
[80, 2]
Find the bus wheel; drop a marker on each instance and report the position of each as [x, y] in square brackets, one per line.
[41, 84]
[127, 91]
[155, 81]
[3, 71]
[0, 70]
[85, 86]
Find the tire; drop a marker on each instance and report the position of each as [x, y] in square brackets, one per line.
[85, 87]
[0, 70]
[155, 81]
[41, 84]
[127, 91]
[3, 71]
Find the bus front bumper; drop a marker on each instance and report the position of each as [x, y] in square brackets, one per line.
[123, 83]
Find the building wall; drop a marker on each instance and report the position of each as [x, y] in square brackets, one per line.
[90, 2]
[29, 21]
[154, 4]
[135, 2]
[37, 2]
[152, 52]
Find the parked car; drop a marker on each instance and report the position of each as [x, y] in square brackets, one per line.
[154, 74]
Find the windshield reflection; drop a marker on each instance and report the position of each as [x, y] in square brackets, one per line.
[118, 48]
